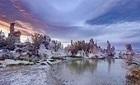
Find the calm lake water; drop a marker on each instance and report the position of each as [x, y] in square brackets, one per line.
[92, 72]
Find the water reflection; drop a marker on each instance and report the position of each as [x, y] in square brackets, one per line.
[93, 72]
[80, 66]
[110, 62]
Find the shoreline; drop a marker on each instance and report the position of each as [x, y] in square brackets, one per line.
[35, 74]
[12, 62]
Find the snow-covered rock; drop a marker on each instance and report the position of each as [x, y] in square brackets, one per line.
[91, 55]
[81, 53]
[97, 55]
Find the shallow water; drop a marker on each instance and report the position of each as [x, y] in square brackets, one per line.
[91, 72]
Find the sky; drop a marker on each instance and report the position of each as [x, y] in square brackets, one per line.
[65, 20]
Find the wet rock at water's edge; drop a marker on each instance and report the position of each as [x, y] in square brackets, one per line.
[133, 76]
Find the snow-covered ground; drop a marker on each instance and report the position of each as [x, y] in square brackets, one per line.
[7, 62]
[29, 75]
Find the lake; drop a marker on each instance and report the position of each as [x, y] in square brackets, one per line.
[92, 72]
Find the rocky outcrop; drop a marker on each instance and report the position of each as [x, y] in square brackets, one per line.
[129, 49]
[110, 51]
[134, 76]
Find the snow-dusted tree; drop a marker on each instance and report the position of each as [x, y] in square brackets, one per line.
[55, 45]
[2, 40]
[10, 43]
[47, 41]
[37, 40]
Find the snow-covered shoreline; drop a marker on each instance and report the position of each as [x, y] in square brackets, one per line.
[29, 75]
[10, 62]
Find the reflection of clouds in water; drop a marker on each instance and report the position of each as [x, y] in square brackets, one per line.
[80, 66]
[88, 72]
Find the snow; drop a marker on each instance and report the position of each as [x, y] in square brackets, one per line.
[43, 51]
[81, 53]
[31, 75]
[50, 53]
[97, 55]
[15, 62]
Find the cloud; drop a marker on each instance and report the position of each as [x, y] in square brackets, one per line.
[125, 10]
[114, 20]
[21, 26]
[122, 32]
[65, 12]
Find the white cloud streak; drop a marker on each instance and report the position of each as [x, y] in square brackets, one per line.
[69, 12]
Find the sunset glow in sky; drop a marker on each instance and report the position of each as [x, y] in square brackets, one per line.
[114, 20]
